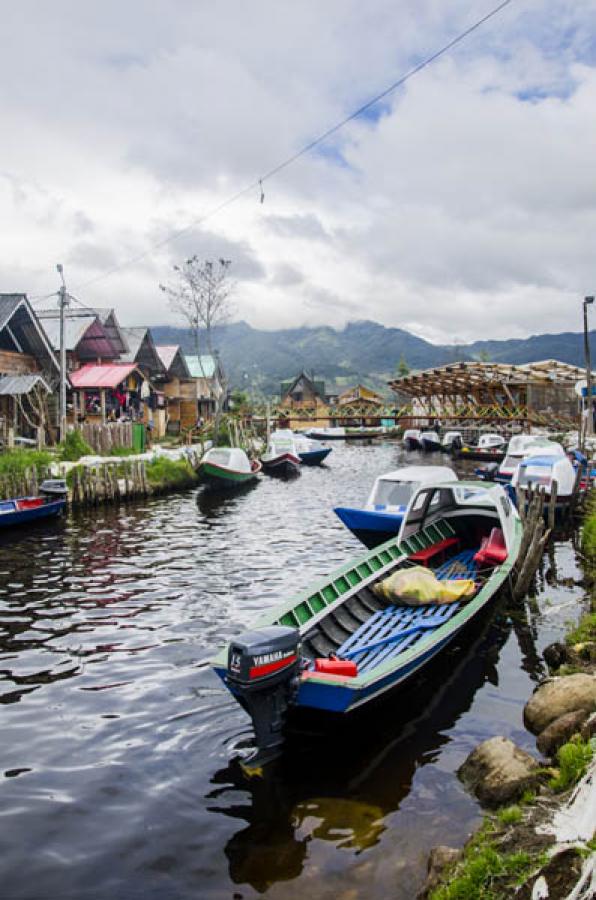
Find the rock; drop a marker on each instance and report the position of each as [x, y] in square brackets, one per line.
[557, 696]
[588, 729]
[558, 732]
[555, 655]
[438, 860]
[499, 772]
[560, 875]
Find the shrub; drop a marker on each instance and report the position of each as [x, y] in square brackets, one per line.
[73, 447]
[163, 472]
[15, 462]
[573, 759]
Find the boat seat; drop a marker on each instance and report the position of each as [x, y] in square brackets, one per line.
[427, 553]
[493, 550]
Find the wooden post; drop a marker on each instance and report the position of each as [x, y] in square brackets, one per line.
[102, 399]
[552, 504]
[10, 437]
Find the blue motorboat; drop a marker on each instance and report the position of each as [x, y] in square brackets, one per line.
[347, 640]
[311, 452]
[25, 510]
[382, 516]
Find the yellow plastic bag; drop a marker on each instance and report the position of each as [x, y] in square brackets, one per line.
[418, 586]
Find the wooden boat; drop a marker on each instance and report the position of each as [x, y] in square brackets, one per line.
[452, 440]
[281, 456]
[50, 503]
[227, 468]
[412, 439]
[338, 646]
[339, 433]
[380, 519]
[430, 441]
[311, 452]
[490, 448]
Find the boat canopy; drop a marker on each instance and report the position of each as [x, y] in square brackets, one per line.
[541, 471]
[488, 441]
[450, 436]
[228, 458]
[430, 436]
[394, 489]
[412, 433]
[444, 501]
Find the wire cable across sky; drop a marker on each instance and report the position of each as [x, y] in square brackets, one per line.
[257, 184]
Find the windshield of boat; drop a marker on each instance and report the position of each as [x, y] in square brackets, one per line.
[392, 493]
[533, 475]
[510, 462]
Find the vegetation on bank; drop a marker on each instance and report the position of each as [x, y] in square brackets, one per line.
[573, 759]
[169, 474]
[14, 463]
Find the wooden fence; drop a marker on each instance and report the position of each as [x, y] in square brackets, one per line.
[103, 438]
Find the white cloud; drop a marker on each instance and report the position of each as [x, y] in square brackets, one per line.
[466, 210]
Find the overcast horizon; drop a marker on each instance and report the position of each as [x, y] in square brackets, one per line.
[461, 208]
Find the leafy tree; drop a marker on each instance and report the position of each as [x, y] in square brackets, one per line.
[403, 368]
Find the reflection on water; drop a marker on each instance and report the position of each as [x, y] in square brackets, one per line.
[118, 760]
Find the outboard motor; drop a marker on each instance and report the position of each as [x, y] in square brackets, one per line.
[53, 489]
[263, 666]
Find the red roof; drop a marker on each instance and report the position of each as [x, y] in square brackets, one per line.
[94, 376]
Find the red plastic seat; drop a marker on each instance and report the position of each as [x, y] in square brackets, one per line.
[493, 550]
[423, 556]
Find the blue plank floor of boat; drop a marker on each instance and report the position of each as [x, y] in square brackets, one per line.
[378, 639]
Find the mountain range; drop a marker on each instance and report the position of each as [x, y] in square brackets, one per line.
[364, 351]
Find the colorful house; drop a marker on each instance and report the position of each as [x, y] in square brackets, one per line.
[177, 386]
[206, 388]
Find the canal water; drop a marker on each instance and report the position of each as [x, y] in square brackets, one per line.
[119, 748]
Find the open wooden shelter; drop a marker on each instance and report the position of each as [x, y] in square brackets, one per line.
[535, 394]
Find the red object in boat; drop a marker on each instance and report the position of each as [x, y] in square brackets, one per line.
[29, 502]
[336, 667]
[492, 549]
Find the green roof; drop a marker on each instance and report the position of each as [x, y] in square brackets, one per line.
[200, 366]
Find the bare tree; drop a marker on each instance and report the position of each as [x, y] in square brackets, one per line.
[200, 294]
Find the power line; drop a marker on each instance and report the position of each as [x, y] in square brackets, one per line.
[258, 182]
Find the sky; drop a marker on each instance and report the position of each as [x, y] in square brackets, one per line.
[461, 207]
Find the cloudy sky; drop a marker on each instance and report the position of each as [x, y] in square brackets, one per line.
[462, 207]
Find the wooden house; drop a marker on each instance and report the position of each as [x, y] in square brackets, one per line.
[142, 352]
[178, 384]
[208, 383]
[28, 372]
[111, 392]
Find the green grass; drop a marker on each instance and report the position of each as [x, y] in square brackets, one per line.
[589, 535]
[168, 473]
[73, 447]
[573, 759]
[584, 631]
[485, 872]
[15, 462]
[123, 451]
[510, 815]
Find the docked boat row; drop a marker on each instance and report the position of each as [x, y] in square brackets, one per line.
[227, 468]
[490, 447]
[50, 503]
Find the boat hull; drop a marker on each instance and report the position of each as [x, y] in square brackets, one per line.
[430, 446]
[314, 457]
[284, 464]
[476, 455]
[11, 518]
[222, 478]
[412, 444]
[370, 527]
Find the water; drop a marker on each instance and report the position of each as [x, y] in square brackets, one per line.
[119, 747]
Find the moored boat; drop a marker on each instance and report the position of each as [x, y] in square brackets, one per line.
[343, 643]
[381, 517]
[50, 503]
[430, 441]
[311, 452]
[551, 474]
[226, 468]
[490, 448]
[281, 456]
[519, 446]
[452, 440]
[411, 439]
[332, 433]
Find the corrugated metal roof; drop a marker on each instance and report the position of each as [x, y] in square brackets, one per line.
[94, 376]
[134, 337]
[8, 304]
[200, 366]
[20, 384]
[166, 353]
[74, 330]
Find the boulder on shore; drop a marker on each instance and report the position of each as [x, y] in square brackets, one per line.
[498, 771]
[558, 696]
[558, 732]
[555, 655]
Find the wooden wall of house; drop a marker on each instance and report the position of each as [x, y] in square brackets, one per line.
[17, 363]
[188, 413]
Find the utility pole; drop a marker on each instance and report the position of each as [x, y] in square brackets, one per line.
[63, 301]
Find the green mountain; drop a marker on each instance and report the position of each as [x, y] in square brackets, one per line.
[361, 352]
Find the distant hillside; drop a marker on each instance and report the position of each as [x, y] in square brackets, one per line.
[362, 351]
